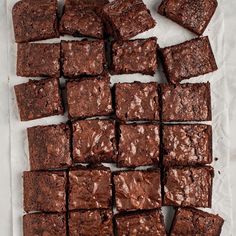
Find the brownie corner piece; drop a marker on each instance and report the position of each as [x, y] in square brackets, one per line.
[35, 20]
[191, 14]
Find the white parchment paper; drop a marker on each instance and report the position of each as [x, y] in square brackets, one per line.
[168, 33]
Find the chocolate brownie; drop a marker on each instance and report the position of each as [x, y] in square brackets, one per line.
[139, 145]
[94, 141]
[44, 224]
[142, 223]
[135, 56]
[89, 97]
[187, 145]
[191, 14]
[45, 191]
[137, 101]
[127, 18]
[190, 221]
[95, 222]
[189, 59]
[38, 59]
[186, 102]
[188, 186]
[137, 190]
[35, 20]
[82, 57]
[90, 188]
[49, 147]
[37, 99]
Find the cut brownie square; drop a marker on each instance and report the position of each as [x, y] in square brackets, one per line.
[188, 186]
[135, 56]
[90, 188]
[37, 99]
[137, 101]
[189, 59]
[134, 190]
[45, 191]
[38, 59]
[35, 20]
[94, 141]
[139, 145]
[191, 14]
[149, 222]
[94, 222]
[49, 147]
[44, 224]
[89, 97]
[83, 57]
[187, 145]
[190, 221]
[186, 102]
[127, 18]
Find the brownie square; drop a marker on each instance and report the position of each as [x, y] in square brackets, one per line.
[82, 57]
[190, 221]
[186, 102]
[141, 223]
[38, 99]
[127, 18]
[90, 188]
[191, 14]
[94, 222]
[187, 145]
[94, 141]
[139, 145]
[188, 186]
[38, 59]
[44, 224]
[49, 147]
[189, 59]
[135, 56]
[35, 20]
[134, 190]
[137, 101]
[89, 97]
[45, 191]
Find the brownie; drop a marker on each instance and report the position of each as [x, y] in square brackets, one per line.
[190, 221]
[44, 224]
[35, 20]
[137, 101]
[142, 223]
[188, 186]
[134, 190]
[91, 222]
[186, 102]
[49, 147]
[82, 57]
[45, 191]
[90, 188]
[37, 99]
[187, 145]
[94, 141]
[189, 59]
[191, 14]
[38, 59]
[139, 145]
[127, 18]
[89, 97]
[134, 56]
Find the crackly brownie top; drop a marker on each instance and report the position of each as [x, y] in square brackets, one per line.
[196, 222]
[188, 186]
[134, 190]
[95, 222]
[85, 4]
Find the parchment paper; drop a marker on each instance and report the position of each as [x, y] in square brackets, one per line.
[168, 33]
